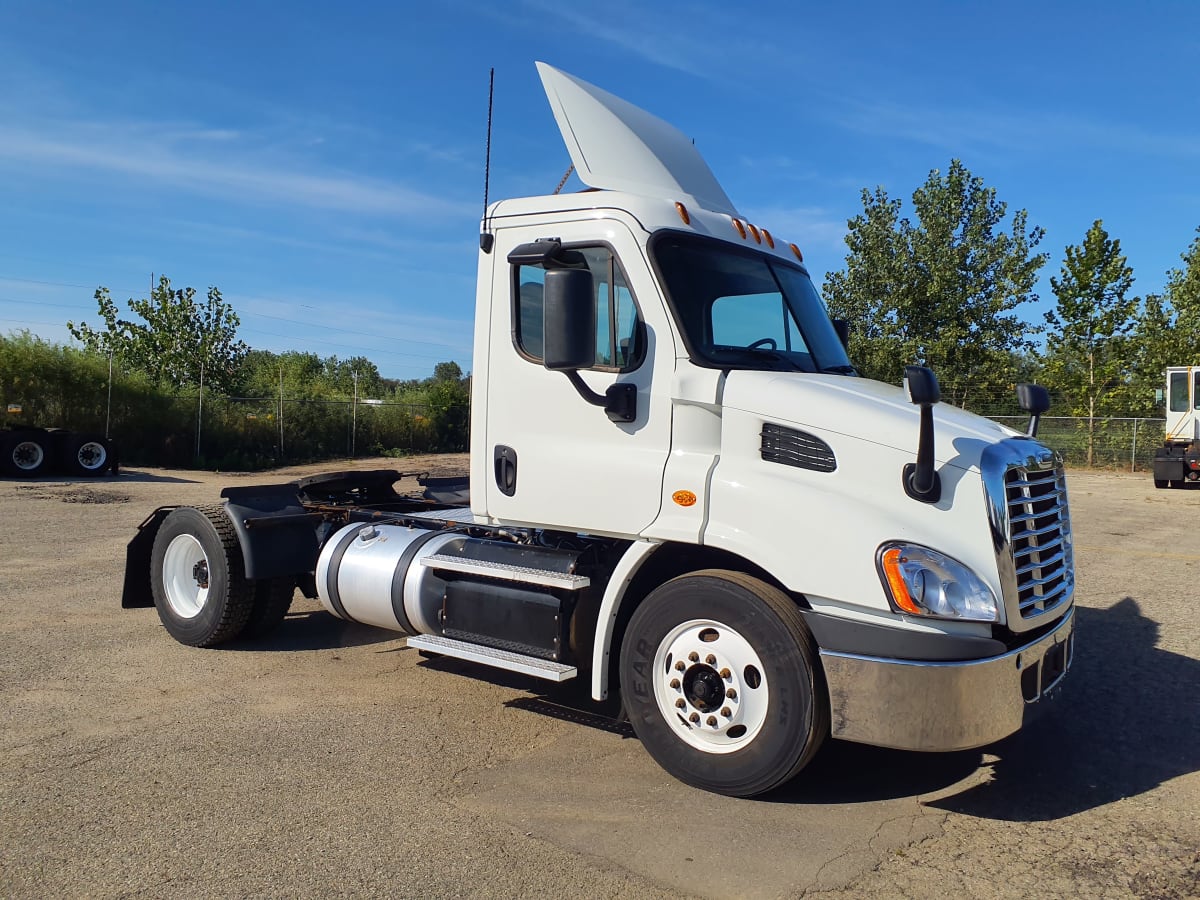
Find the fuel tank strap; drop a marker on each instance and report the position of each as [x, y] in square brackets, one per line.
[335, 564]
[402, 566]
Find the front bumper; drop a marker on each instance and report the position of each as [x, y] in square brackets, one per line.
[918, 705]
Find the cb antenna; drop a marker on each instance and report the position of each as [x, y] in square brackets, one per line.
[486, 238]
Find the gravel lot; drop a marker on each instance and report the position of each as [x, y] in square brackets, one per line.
[329, 759]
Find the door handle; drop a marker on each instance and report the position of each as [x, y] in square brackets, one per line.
[505, 461]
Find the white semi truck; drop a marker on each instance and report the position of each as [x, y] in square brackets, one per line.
[1177, 461]
[680, 494]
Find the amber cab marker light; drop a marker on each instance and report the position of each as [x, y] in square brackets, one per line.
[739, 228]
[767, 237]
[684, 498]
[683, 213]
[895, 579]
[796, 250]
[754, 231]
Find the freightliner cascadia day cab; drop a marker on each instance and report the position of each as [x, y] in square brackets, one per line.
[680, 493]
[1177, 461]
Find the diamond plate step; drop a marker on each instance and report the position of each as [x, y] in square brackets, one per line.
[544, 577]
[490, 656]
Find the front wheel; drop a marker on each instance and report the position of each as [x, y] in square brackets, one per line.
[721, 682]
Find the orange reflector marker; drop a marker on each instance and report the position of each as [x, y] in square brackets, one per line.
[684, 498]
[767, 237]
[739, 228]
[895, 579]
[796, 250]
[683, 213]
[754, 231]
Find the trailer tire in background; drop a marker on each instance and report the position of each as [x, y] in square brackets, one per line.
[84, 454]
[197, 577]
[733, 709]
[26, 452]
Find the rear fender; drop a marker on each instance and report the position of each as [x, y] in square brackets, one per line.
[137, 591]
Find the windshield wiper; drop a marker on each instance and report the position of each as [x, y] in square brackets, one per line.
[840, 370]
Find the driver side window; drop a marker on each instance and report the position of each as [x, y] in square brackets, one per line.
[618, 323]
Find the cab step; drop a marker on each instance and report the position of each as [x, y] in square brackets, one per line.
[504, 572]
[490, 656]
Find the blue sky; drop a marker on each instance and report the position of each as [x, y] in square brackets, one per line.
[323, 165]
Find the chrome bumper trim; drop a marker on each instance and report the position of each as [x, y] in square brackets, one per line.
[914, 705]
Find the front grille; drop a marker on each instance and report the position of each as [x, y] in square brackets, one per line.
[1039, 529]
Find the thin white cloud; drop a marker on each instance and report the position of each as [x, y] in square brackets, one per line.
[140, 151]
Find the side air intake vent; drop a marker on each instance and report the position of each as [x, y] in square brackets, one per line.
[796, 448]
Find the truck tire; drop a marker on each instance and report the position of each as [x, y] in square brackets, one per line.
[272, 600]
[1161, 483]
[25, 453]
[196, 574]
[84, 454]
[720, 679]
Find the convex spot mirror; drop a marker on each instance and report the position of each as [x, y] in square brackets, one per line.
[569, 305]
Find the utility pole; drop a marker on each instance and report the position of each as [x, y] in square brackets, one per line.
[281, 412]
[354, 415]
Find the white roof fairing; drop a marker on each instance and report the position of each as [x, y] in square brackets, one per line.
[617, 146]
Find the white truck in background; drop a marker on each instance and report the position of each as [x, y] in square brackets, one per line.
[1177, 461]
[681, 494]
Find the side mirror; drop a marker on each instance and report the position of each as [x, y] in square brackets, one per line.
[921, 481]
[842, 328]
[1035, 400]
[570, 320]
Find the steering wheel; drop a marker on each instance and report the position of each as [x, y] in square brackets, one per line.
[768, 342]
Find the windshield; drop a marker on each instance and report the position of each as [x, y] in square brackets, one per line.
[740, 309]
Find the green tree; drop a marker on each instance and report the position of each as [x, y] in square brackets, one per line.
[943, 290]
[178, 341]
[1089, 357]
[1168, 329]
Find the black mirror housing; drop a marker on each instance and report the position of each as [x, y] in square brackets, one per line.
[922, 384]
[569, 306]
[842, 328]
[1033, 398]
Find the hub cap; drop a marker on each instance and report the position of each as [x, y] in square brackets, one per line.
[28, 455]
[710, 686]
[185, 576]
[92, 456]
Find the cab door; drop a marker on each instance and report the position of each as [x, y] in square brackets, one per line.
[557, 460]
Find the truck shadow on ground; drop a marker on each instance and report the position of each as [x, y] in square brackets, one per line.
[1127, 719]
[316, 630]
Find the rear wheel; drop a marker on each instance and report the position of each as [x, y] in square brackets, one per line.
[25, 453]
[85, 454]
[720, 678]
[200, 590]
[1161, 482]
[272, 600]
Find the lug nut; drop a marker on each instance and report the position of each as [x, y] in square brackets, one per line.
[731, 694]
[710, 659]
[675, 683]
[694, 717]
[725, 712]
[726, 674]
[679, 666]
[680, 703]
[694, 656]
[711, 721]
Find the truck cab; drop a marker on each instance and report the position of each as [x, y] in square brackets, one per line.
[682, 494]
[1177, 461]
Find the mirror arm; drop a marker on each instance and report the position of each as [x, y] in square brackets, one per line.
[619, 401]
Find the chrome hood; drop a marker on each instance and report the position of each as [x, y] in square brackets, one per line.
[861, 409]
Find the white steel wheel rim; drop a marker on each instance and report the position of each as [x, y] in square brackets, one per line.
[92, 455]
[710, 686]
[182, 576]
[28, 455]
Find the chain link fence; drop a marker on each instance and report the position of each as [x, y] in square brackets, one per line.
[1117, 443]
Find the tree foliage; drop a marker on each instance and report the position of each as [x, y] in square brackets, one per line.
[1089, 357]
[943, 290]
[179, 340]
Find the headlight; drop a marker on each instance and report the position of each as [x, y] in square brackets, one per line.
[923, 582]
